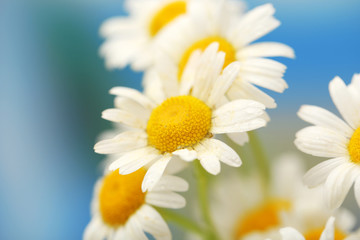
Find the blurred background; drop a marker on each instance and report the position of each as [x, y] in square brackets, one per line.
[54, 86]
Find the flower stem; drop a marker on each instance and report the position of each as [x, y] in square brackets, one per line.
[180, 220]
[202, 188]
[260, 159]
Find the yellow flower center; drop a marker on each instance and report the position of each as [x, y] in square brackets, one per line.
[354, 146]
[261, 218]
[121, 196]
[178, 122]
[224, 46]
[316, 233]
[165, 15]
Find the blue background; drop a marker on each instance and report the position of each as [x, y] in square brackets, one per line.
[53, 87]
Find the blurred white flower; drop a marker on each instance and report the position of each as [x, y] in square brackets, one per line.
[241, 209]
[336, 139]
[133, 39]
[329, 232]
[120, 210]
[181, 122]
[234, 32]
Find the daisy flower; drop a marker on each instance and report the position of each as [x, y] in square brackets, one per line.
[234, 32]
[132, 39]
[336, 139]
[183, 123]
[251, 214]
[329, 232]
[120, 210]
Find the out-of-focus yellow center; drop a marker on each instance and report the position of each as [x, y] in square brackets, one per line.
[178, 122]
[354, 147]
[261, 218]
[224, 46]
[165, 15]
[316, 233]
[121, 196]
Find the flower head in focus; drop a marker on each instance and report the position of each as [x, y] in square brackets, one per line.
[183, 121]
[120, 210]
[333, 138]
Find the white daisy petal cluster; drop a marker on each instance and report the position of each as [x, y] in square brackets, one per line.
[181, 124]
[334, 138]
[120, 210]
[201, 73]
[252, 214]
[234, 33]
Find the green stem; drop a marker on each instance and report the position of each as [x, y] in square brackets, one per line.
[202, 188]
[260, 159]
[180, 220]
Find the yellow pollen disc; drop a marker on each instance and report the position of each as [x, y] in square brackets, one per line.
[178, 122]
[316, 233]
[121, 196]
[354, 146]
[261, 218]
[165, 15]
[224, 46]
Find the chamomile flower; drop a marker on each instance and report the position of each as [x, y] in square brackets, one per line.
[234, 32]
[252, 214]
[132, 39]
[336, 139]
[120, 210]
[181, 122]
[329, 232]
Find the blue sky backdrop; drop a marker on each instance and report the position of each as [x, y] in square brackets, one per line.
[53, 87]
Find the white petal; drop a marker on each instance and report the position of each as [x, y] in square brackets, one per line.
[153, 86]
[120, 234]
[255, 24]
[344, 102]
[135, 230]
[121, 116]
[171, 183]
[123, 142]
[245, 90]
[165, 199]
[133, 95]
[263, 66]
[266, 49]
[95, 230]
[238, 116]
[276, 84]
[189, 75]
[357, 190]
[186, 154]
[132, 107]
[223, 83]
[321, 142]
[329, 231]
[209, 69]
[290, 233]
[323, 118]
[134, 160]
[338, 184]
[239, 138]
[153, 223]
[219, 149]
[116, 25]
[210, 163]
[155, 172]
[318, 174]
